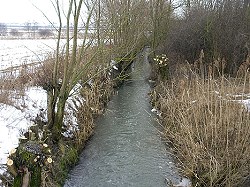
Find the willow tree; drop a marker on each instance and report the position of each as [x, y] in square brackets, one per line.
[74, 60]
[120, 24]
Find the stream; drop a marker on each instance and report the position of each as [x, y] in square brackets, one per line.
[126, 148]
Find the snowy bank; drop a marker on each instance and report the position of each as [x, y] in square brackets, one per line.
[16, 119]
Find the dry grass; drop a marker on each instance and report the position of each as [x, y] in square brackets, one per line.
[13, 85]
[96, 96]
[208, 130]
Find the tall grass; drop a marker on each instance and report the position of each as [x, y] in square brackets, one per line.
[208, 128]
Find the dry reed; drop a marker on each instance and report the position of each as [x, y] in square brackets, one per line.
[208, 128]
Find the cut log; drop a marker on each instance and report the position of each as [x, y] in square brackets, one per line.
[11, 167]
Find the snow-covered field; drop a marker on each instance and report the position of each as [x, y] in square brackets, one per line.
[18, 52]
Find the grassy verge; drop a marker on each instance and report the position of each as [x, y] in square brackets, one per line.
[207, 128]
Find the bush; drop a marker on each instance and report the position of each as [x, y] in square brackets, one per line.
[45, 32]
[221, 30]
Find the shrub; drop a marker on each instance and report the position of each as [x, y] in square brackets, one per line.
[221, 30]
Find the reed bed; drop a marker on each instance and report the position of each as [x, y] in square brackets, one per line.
[208, 127]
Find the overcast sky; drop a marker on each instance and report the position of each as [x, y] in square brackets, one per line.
[21, 11]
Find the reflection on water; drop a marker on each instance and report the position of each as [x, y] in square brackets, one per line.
[126, 149]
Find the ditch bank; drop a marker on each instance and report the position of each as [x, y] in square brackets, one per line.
[206, 123]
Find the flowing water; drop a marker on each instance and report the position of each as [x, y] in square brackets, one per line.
[126, 149]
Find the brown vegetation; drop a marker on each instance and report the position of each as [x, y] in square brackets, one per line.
[204, 117]
[207, 125]
[14, 81]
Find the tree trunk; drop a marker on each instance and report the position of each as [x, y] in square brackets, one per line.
[58, 123]
[50, 108]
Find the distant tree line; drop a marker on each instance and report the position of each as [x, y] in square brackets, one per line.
[31, 29]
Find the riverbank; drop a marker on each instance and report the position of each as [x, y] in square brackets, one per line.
[207, 125]
[68, 151]
[88, 102]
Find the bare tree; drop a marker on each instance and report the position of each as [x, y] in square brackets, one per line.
[45, 32]
[27, 27]
[218, 27]
[126, 23]
[75, 62]
[34, 28]
[121, 24]
[160, 14]
[14, 32]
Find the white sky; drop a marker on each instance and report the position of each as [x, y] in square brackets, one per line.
[21, 11]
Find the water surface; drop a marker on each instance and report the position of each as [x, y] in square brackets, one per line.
[126, 149]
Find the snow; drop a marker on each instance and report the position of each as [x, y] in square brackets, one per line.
[113, 64]
[114, 67]
[73, 102]
[184, 183]
[245, 102]
[158, 113]
[26, 51]
[17, 119]
[19, 52]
